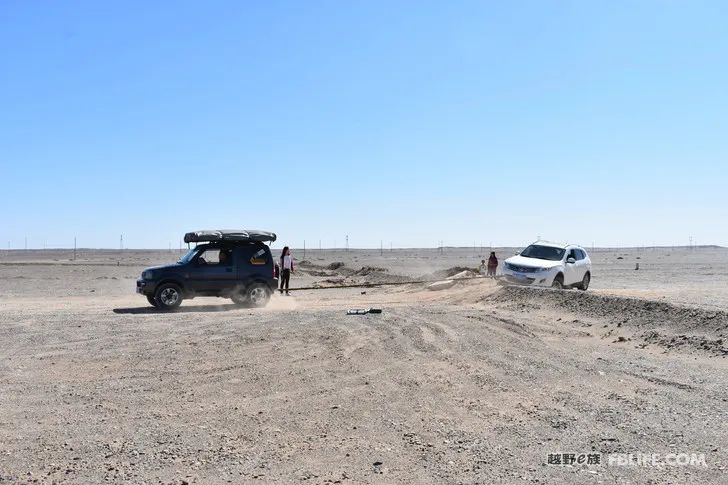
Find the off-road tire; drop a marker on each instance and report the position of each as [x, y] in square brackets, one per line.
[168, 296]
[257, 295]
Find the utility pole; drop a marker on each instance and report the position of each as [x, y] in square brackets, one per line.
[381, 248]
[74, 248]
[347, 243]
[121, 242]
[26, 243]
[691, 242]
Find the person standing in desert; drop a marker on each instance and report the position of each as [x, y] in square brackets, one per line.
[492, 264]
[483, 268]
[286, 268]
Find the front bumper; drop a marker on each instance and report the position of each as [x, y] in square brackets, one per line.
[144, 287]
[539, 278]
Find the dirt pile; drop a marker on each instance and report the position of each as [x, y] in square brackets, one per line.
[665, 324]
[367, 270]
[447, 273]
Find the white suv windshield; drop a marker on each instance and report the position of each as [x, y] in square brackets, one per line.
[543, 252]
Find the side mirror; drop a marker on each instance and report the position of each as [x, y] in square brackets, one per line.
[570, 261]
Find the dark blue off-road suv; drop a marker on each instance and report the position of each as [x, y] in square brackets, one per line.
[234, 264]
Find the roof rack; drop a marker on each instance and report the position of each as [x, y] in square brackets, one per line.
[233, 235]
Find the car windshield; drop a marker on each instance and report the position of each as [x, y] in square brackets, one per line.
[543, 252]
[188, 256]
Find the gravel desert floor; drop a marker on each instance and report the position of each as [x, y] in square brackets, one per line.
[478, 383]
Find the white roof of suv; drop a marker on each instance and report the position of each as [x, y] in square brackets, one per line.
[556, 245]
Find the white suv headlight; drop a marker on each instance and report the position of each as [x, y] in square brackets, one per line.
[541, 270]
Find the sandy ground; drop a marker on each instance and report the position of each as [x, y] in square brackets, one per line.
[475, 384]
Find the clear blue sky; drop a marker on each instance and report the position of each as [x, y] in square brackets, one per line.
[497, 122]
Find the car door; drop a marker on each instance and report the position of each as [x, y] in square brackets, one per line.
[571, 270]
[212, 273]
[582, 263]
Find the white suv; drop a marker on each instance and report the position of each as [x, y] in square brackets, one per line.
[549, 264]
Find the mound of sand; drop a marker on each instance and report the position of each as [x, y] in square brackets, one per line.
[448, 273]
[441, 285]
[367, 270]
[652, 321]
[464, 274]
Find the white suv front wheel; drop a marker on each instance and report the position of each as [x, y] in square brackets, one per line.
[558, 282]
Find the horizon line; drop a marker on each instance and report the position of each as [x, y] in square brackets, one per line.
[683, 246]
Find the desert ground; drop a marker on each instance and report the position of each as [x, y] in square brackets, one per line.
[478, 383]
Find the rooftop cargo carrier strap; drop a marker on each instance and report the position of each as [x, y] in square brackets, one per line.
[237, 235]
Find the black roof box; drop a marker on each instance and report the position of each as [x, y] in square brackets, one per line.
[233, 235]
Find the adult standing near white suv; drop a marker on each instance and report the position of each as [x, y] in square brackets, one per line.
[549, 264]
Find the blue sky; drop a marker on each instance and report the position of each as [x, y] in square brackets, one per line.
[407, 122]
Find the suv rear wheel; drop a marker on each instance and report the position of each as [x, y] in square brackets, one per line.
[585, 282]
[168, 296]
[258, 295]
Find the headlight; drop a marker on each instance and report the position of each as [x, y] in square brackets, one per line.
[541, 270]
[148, 275]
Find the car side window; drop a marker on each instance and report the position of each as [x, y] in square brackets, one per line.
[211, 257]
[572, 254]
[580, 255]
[260, 257]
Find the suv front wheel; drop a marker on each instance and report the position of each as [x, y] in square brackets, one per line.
[558, 282]
[168, 296]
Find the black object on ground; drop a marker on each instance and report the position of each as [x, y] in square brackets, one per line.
[363, 311]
